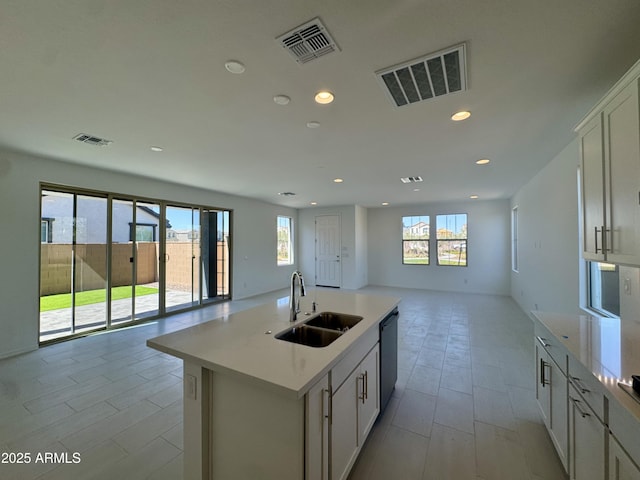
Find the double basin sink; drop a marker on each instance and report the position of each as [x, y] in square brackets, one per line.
[320, 330]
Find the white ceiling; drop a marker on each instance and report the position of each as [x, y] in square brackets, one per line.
[151, 72]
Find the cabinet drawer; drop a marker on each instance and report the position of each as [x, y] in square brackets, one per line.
[552, 345]
[589, 388]
[624, 427]
[358, 351]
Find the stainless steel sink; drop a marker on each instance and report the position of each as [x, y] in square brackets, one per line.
[309, 336]
[320, 330]
[334, 321]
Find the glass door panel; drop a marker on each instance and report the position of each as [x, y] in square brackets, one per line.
[121, 261]
[90, 263]
[145, 236]
[56, 265]
[215, 255]
[182, 257]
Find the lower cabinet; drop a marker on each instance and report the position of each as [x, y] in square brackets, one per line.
[621, 467]
[587, 438]
[354, 408]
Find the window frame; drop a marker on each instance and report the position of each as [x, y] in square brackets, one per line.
[590, 297]
[464, 239]
[133, 231]
[426, 241]
[288, 242]
[47, 223]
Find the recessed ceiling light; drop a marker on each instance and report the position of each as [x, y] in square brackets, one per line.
[156, 149]
[323, 97]
[385, 204]
[313, 203]
[338, 180]
[462, 115]
[234, 66]
[473, 196]
[281, 99]
[313, 124]
[483, 161]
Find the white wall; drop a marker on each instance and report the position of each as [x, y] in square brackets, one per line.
[488, 249]
[549, 264]
[361, 247]
[254, 260]
[353, 243]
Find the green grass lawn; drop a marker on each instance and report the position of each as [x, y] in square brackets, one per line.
[63, 300]
[415, 261]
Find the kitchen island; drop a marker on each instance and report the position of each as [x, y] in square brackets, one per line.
[259, 407]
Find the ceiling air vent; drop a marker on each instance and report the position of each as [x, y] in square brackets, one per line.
[425, 78]
[92, 140]
[308, 42]
[411, 179]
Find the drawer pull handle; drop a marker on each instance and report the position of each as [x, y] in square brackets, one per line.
[580, 385]
[364, 394]
[576, 403]
[543, 376]
[543, 342]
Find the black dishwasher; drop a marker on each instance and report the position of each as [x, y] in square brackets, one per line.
[388, 357]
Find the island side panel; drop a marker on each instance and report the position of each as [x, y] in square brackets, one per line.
[254, 432]
[196, 398]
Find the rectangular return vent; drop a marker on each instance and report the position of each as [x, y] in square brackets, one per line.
[411, 179]
[92, 140]
[308, 41]
[425, 78]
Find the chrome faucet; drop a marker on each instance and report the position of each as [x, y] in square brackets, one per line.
[294, 305]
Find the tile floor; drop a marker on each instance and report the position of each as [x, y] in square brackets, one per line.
[463, 407]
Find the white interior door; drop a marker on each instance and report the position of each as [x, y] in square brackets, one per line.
[328, 251]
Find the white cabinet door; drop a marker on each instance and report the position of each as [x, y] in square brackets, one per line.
[558, 423]
[369, 396]
[593, 201]
[543, 390]
[622, 158]
[587, 440]
[551, 395]
[621, 467]
[344, 426]
[317, 431]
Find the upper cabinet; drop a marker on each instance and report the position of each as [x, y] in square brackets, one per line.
[610, 174]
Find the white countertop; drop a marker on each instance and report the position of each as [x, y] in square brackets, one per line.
[608, 347]
[237, 344]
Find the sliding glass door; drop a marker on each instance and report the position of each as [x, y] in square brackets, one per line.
[108, 260]
[90, 263]
[215, 255]
[135, 244]
[73, 263]
[182, 257]
[145, 237]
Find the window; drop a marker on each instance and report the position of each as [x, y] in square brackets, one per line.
[285, 242]
[604, 288]
[45, 230]
[415, 240]
[144, 232]
[514, 239]
[451, 238]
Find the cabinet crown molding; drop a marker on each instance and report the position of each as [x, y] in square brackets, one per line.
[632, 74]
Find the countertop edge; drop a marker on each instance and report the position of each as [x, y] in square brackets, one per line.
[291, 389]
